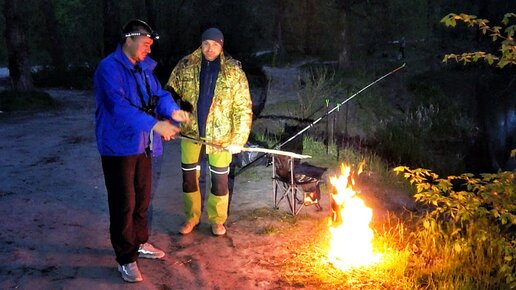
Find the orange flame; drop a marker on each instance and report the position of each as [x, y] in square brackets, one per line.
[351, 237]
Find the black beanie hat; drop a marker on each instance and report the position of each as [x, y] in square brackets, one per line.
[213, 34]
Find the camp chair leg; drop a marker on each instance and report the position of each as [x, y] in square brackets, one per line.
[298, 203]
[276, 188]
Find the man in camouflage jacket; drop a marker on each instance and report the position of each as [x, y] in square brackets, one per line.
[216, 89]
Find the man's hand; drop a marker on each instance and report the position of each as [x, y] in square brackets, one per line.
[166, 129]
[181, 116]
[234, 148]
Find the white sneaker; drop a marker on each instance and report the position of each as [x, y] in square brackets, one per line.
[130, 272]
[188, 227]
[148, 251]
[218, 230]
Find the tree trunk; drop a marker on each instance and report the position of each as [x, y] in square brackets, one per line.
[112, 27]
[16, 18]
[344, 54]
[54, 38]
[279, 18]
[309, 23]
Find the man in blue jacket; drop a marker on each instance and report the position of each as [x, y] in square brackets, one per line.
[133, 114]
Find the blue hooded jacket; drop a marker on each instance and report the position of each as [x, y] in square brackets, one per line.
[122, 128]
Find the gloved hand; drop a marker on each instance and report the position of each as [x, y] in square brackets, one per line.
[234, 148]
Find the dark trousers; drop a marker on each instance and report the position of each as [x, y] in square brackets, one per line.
[128, 183]
[156, 174]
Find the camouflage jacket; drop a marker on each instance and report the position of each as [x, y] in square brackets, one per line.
[230, 115]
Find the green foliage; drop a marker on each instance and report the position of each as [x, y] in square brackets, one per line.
[470, 221]
[433, 130]
[418, 137]
[507, 50]
[263, 138]
[312, 27]
[81, 31]
[318, 151]
[11, 101]
[321, 85]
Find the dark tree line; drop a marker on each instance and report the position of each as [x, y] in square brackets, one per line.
[62, 33]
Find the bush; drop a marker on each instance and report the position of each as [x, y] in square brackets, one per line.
[433, 133]
[466, 237]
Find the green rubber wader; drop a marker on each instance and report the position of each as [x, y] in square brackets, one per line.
[218, 208]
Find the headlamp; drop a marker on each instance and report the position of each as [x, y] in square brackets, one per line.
[154, 35]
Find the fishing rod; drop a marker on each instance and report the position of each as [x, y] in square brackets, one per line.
[324, 116]
[247, 149]
[340, 104]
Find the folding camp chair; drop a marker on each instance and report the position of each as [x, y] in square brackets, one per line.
[297, 182]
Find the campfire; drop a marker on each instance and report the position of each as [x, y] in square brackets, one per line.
[351, 243]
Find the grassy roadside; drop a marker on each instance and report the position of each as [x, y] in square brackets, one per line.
[458, 243]
[455, 240]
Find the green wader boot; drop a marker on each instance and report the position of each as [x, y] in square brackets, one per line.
[192, 206]
[217, 208]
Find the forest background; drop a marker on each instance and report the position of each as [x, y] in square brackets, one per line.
[444, 116]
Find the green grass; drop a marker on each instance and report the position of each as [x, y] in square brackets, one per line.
[257, 213]
[310, 268]
[264, 138]
[412, 258]
[270, 221]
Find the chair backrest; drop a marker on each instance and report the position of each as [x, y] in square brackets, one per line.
[303, 172]
[283, 167]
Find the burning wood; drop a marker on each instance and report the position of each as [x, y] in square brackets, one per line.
[351, 237]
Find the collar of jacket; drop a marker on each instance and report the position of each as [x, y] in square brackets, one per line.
[195, 58]
[147, 64]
